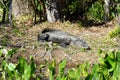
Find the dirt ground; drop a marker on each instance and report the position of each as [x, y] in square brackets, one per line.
[25, 39]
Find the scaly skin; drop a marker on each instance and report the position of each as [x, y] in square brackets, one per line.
[61, 37]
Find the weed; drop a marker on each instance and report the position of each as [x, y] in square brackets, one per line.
[106, 69]
[4, 40]
[20, 71]
[17, 32]
[74, 50]
[115, 32]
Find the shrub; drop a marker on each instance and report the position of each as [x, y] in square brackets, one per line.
[96, 11]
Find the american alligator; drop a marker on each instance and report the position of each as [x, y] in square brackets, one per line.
[64, 38]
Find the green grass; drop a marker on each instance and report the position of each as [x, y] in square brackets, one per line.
[115, 32]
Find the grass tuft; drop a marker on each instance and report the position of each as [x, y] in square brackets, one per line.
[115, 32]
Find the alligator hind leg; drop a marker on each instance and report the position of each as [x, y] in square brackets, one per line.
[64, 45]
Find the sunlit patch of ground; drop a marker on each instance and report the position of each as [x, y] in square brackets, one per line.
[26, 36]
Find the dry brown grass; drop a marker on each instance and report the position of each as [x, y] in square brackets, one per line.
[26, 36]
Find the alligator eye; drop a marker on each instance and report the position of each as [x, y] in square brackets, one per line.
[46, 36]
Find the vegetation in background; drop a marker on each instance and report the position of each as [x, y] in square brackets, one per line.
[115, 8]
[39, 10]
[96, 11]
[76, 9]
[4, 6]
[73, 9]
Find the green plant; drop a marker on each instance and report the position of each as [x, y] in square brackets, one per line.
[20, 71]
[5, 39]
[116, 67]
[115, 32]
[61, 73]
[106, 69]
[96, 11]
[115, 8]
[73, 7]
[25, 69]
[17, 32]
[51, 70]
[74, 74]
